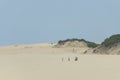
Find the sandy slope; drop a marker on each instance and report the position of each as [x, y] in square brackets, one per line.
[42, 62]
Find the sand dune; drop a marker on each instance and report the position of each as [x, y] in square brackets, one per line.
[45, 62]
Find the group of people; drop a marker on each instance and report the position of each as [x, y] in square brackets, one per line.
[69, 59]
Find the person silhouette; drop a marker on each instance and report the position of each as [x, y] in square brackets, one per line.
[62, 59]
[68, 59]
[76, 58]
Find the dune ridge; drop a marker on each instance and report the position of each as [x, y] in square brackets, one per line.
[73, 60]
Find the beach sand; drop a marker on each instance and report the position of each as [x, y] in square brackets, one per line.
[43, 62]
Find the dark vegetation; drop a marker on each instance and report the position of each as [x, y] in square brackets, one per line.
[104, 48]
[108, 42]
[89, 44]
[113, 40]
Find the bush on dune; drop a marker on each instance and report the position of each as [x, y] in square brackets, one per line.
[114, 39]
[89, 44]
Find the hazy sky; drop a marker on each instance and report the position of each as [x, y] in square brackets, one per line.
[37, 21]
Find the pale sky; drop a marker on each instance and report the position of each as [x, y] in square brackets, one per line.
[38, 21]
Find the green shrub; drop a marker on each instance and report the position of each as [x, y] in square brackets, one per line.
[114, 39]
[89, 44]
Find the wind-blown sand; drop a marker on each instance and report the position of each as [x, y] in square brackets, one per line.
[43, 62]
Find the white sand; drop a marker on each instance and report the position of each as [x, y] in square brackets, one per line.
[41, 62]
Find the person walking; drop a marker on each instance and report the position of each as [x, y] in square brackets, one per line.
[68, 59]
[76, 58]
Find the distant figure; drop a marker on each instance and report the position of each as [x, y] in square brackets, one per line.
[68, 59]
[62, 59]
[76, 58]
[73, 50]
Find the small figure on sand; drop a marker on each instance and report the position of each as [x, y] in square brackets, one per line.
[76, 58]
[62, 59]
[68, 59]
[73, 50]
